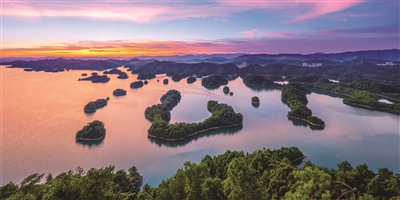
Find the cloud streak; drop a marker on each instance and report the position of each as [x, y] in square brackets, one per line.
[148, 12]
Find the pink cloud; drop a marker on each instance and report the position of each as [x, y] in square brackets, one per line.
[285, 35]
[250, 33]
[148, 12]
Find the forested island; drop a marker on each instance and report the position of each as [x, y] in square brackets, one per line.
[93, 131]
[119, 92]
[226, 89]
[92, 106]
[96, 78]
[263, 174]
[191, 80]
[295, 95]
[223, 116]
[214, 81]
[255, 100]
[136, 84]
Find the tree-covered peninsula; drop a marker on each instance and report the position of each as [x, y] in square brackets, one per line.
[222, 116]
[92, 106]
[234, 175]
[295, 95]
[92, 131]
[359, 92]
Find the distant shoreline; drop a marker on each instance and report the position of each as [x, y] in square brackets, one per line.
[377, 108]
[195, 133]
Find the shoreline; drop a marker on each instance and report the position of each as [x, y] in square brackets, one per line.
[377, 108]
[193, 134]
[91, 139]
[299, 158]
[320, 125]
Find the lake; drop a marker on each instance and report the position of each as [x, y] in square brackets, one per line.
[41, 113]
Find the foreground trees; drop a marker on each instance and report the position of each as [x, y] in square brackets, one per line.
[263, 174]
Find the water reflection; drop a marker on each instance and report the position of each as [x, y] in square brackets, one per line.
[298, 122]
[257, 88]
[224, 131]
[255, 105]
[90, 144]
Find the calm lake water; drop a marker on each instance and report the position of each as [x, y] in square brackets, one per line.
[41, 112]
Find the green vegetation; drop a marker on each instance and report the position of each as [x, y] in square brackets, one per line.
[263, 174]
[214, 81]
[259, 80]
[226, 90]
[168, 102]
[255, 100]
[295, 95]
[137, 84]
[191, 80]
[101, 183]
[92, 106]
[222, 116]
[361, 92]
[119, 92]
[93, 131]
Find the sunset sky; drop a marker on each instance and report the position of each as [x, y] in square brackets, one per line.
[123, 28]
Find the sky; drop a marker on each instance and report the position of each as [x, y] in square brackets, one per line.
[122, 28]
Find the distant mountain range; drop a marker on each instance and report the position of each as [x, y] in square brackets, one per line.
[240, 60]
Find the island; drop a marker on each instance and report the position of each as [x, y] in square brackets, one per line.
[231, 93]
[222, 116]
[136, 84]
[119, 92]
[255, 100]
[84, 74]
[191, 80]
[92, 106]
[214, 81]
[295, 95]
[113, 71]
[226, 90]
[96, 78]
[258, 80]
[165, 81]
[145, 82]
[122, 75]
[92, 131]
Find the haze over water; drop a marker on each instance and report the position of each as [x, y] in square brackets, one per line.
[41, 112]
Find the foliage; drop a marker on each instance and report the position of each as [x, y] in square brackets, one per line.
[94, 184]
[260, 80]
[222, 116]
[119, 92]
[214, 81]
[225, 89]
[263, 174]
[93, 130]
[255, 99]
[168, 102]
[296, 96]
[136, 84]
[191, 80]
